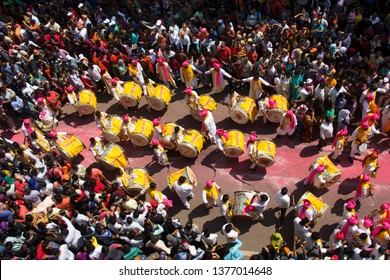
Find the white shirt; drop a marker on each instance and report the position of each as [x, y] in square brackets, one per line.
[282, 200]
[326, 130]
[230, 236]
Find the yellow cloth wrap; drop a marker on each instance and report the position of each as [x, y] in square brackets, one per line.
[254, 84]
[211, 193]
[133, 70]
[188, 74]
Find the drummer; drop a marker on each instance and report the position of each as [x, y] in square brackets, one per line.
[128, 126]
[178, 135]
[71, 95]
[157, 128]
[210, 194]
[252, 149]
[57, 138]
[40, 142]
[257, 206]
[96, 147]
[256, 89]
[102, 120]
[316, 176]
[364, 187]
[155, 194]
[160, 152]
[208, 125]
[27, 130]
[339, 142]
[218, 74]
[116, 88]
[288, 123]
[232, 99]
[359, 137]
[221, 139]
[165, 73]
[370, 163]
[191, 97]
[137, 73]
[306, 210]
[264, 105]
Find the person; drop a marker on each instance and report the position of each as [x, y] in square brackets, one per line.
[128, 126]
[178, 135]
[156, 195]
[252, 149]
[382, 213]
[208, 125]
[157, 128]
[364, 188]
[360, 136]
[265, 104]
[257, 205]
[230, 232]
[256, 89]
[349, 228]
[288, 123]
[137, 74]
[217, 75]
[338, 143]
[283, 200]
[7, 122]
[102, 120]
[188, 76]
[316, 176]
[191, 97]
[301, 228]
[160, 152]
[349, 209]
[306, 210]
[308, 122]
[326, 133]
[232, 99]
[210, 194]
[370, 163]
[226, 207]
[221, 138]
[164, 72]
[96, 147]
[381, 233]
[184, 190]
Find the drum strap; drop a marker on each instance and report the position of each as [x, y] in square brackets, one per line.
[217, 81]
[254, 85]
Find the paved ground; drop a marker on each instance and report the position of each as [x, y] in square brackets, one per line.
[292, 162]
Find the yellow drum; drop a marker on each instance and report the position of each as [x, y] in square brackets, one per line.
[113, 157]
[159, 97]
[234, 146]
[142, 133]
[245, 110]
[205, 102]
[166, 139]
[317, 205]
[265, 153]
[192, 143]
[131, 94]
[282, 105]
[186, 172]
[71, 147]
[331, 174]
[242, 199]
[42, 142]
[113, 131]
[87, 102]
[139, 179]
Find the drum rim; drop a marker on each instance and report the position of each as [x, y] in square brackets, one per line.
[110, 133]
[136, 136]
[106, 164]
[186, 147]
[140, 168]
[227, 149]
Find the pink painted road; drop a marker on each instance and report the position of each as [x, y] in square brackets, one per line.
[293, 159]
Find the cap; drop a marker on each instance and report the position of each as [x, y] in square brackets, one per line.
[368, 222]
[155, 142]
[220, 21]
[134, 61]
[339, 235]
[385, 206]
[370, 97]
[40, 99]
[209, 183]
[158, 23]
[52, 133]
[203, 112]
[365, 125]
[353, 220]
[69, 14]
[125, 118]
[271, 103]
[188, 90]
[80, 5]
[185, 64]
[156, 121]
[309, 81]
[351, 204]
[26, 121]
[69, 88]
[386, 80]
[203, 30]
[114, 80]
[321, 167]
[306, 203]
[217, 65]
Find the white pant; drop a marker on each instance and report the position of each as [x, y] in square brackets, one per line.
[336, 153]
[354, 149]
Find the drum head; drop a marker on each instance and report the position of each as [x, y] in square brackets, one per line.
[103, 162]
[167, 143]
[139, 140]
[86, 109]
[239, 116]
[129, 101]
[188, 150]
[334, 178]
[111, 137]
[64, 154]
[233, 152]
[133, 190]
[264, 160]
[195, 114]
[275, 115]
[156, 103]
[362, 147]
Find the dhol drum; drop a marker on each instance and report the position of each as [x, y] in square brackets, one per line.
[113, 157]
[317, 204]
[166, 139]
[131, 95]
[192, 144]
[331, 174]
[42, 142]
[362, 147]
[234, 146]
[205, 102]
[87, 102]
[113, 131]
[142, 133]
[265, 153]
[245, 110]
[71, 147]
[159, 97]
[242, 199]
[138, 180]
[282, 105]
[186, 172]
[45, 127]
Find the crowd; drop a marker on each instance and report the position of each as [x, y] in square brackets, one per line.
[328, 59]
